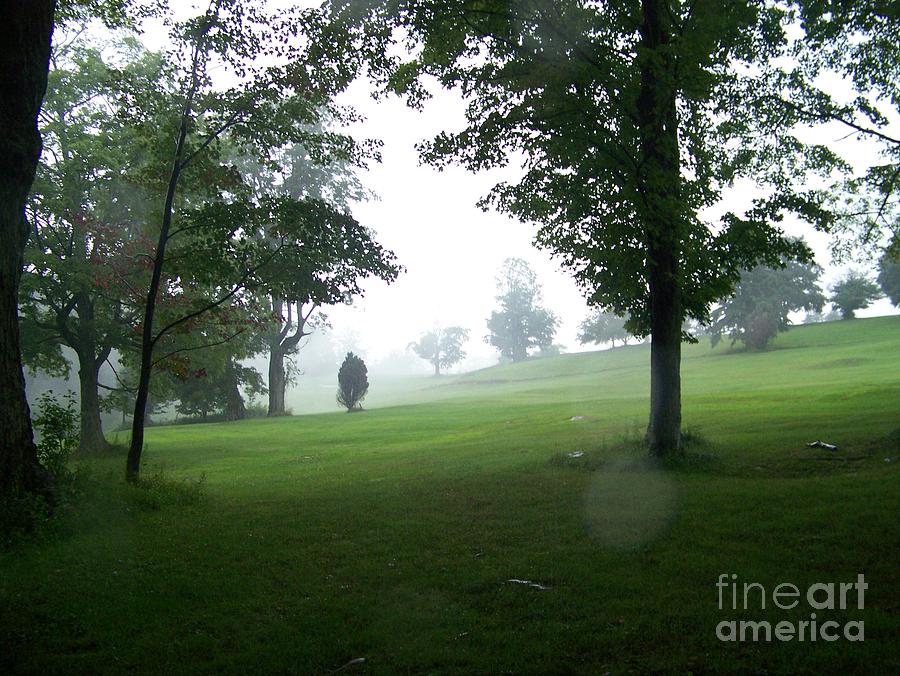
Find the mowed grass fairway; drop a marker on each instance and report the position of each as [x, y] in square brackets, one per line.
[391, 535]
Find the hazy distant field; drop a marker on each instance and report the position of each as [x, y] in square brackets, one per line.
[392, 535]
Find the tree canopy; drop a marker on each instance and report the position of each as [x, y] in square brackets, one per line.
[855, 291]
[631, 119]
[520, 324]
[603, 327]
[80, 278]
[441, 347]
[762, 301]
[856, 44]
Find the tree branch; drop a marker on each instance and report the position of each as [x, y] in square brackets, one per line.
[237, 287]
[221, 129]
[198, 347]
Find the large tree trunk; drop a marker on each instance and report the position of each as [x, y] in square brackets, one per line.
[660, 189]
[234, 403]
[84, 342]
[437, 367]
[92, 438]
[26, 27]
[281, 344]
[664, 429]
[277, 380]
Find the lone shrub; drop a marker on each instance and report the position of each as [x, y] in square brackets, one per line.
[21, 512]
[57, 422]
[353, 382]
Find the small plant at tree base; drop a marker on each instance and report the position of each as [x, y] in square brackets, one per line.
[353, 382]
[57, 421]
[158, 490]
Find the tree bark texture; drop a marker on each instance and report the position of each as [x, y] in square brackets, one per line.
[234, 402]
[660, 190]
[90, 358]
[92, 437]
[282, 343]
[26, 28]
[277, 379]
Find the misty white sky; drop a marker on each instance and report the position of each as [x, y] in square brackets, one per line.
[452, 250]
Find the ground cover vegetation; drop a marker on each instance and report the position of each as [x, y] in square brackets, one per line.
[392, 535]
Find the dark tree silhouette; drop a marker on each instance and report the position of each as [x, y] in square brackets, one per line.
[353, 382]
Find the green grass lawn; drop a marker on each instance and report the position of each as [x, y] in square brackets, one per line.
[390, 536]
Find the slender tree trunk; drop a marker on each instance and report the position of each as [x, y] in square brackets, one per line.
[660, 188]
[133, 463]
[148, 340]
[277, 380]
[26, 28]
[437, 367]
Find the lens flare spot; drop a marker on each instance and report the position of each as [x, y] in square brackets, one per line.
[628, 505]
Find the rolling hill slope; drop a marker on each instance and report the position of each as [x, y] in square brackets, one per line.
[401, 539]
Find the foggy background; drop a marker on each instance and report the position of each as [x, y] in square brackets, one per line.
[452, 252]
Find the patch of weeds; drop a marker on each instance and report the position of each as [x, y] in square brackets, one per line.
[254, 410]
[288, 412]
[630, 445]
[20, 513]
[116, 449]
[155, 491]
[23, 513]
[26, 515]
[697, 453]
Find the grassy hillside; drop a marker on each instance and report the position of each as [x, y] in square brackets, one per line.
[392, 535]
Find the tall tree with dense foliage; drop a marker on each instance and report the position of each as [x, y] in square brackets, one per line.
[603, 327]
[80, 276]
[853, 292]
[234, 234]
[325, 266]
[632, 119]
[520, 325]
[441, 347]
[26, 30]
[762, 301]
[859, 43]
